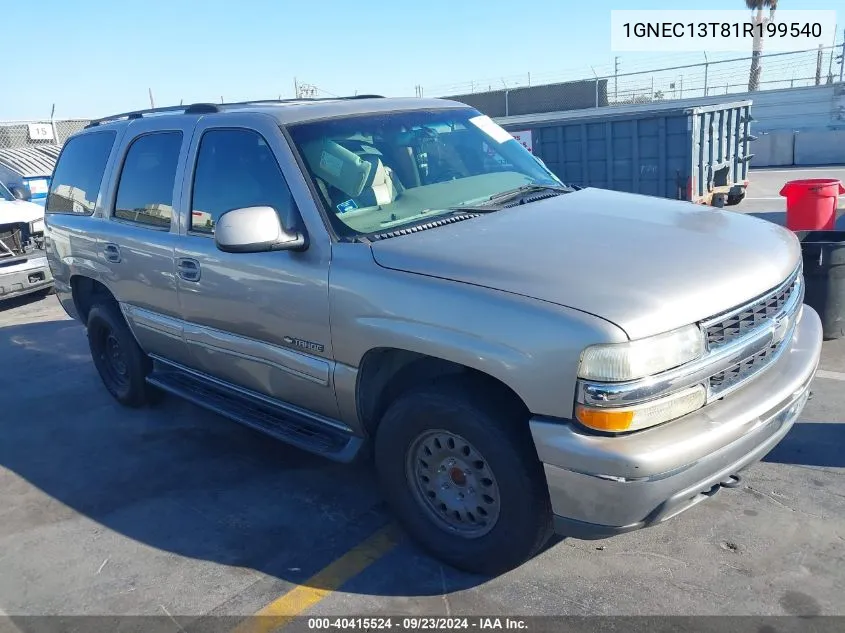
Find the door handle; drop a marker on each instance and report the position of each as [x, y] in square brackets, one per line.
[188, 268]
[112, 253]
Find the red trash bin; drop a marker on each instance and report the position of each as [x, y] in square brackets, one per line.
[811, 204]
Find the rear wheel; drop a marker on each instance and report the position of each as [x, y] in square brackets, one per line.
[461, 473]
[122, 365]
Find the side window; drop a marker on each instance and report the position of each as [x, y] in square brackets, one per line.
[235, 168]
[78, 175]
[145, 191]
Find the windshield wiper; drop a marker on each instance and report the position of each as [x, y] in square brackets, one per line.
[513, 193]
[493, 202]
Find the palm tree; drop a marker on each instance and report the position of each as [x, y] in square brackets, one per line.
[757, 54]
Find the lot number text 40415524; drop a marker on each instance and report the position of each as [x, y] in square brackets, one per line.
[419, 623]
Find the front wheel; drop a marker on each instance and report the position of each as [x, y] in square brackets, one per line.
[461, 473]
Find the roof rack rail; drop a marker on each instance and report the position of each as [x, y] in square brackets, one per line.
[194, 108]
[209, 108]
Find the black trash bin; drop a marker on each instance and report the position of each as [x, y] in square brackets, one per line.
[824, 277]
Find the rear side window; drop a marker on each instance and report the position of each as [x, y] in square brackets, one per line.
[79, 173]
[145, 190]
[235, 169]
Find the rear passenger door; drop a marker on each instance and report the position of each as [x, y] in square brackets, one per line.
[256, 320]
[138, 239]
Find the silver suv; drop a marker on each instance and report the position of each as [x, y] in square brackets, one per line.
[401, 276]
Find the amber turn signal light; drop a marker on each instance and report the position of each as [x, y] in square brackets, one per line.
[614, 421]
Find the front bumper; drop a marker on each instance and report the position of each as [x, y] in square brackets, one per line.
[604, 485]
[23, 275]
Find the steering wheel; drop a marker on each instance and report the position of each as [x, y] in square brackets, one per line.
[426, 133]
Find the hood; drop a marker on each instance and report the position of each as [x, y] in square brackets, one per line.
[19, 211]
[647, 264]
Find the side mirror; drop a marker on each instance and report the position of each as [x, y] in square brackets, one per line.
[20, 192]
[255, 230]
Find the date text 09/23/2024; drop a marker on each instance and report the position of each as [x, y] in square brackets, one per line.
[417, 623]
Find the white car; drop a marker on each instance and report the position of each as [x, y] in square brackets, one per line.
[23, 264]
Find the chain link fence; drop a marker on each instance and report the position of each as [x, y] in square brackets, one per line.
[33, 133]
[526, 94]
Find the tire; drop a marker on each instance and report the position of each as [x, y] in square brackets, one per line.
[735, 200]
[122, 365]
[719, 200]
[496, 433]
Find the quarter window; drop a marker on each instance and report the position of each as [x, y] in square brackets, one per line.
[145, 191]
[78, 176]
[235, 169]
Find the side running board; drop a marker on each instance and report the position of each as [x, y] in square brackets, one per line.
[283, 422]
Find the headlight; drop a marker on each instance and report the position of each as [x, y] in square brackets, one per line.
[643, 415]
[36, 226]
[619, 362]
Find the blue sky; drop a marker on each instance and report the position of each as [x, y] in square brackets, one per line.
[94, 57]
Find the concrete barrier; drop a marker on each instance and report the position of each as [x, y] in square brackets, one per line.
[774, 149]
[819, 147]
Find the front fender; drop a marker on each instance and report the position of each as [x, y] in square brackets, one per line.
[532, 346]
[496, 358]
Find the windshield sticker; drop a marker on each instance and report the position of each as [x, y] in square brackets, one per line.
[343, 207]
[330, 164]
[491, 128]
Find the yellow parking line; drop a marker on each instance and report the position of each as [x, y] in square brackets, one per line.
[302, 597]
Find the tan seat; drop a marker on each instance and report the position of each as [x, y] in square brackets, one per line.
[338, 167]
[382, 186]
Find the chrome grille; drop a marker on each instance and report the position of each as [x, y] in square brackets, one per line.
[751, 317]
[11, 239]
[733, 376]
[737, 356]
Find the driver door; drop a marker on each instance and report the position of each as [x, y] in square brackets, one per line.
[259, 321]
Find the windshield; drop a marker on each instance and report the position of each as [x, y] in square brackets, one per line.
[5, 194]
[382, 172]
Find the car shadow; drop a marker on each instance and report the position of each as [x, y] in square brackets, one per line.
[180, 479]
[811, 444]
